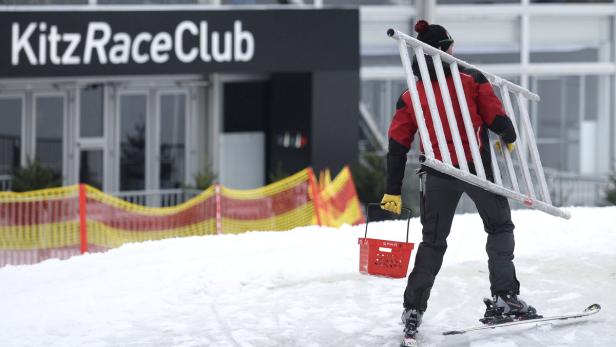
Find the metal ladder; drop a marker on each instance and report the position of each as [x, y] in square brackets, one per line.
[526, 140]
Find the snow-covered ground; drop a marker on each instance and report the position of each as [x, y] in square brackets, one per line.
[303, 288]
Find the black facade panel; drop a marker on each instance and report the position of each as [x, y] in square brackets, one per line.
[60, 43]
[308, 109]
[246, 106]
[291, 106]
[335, 119]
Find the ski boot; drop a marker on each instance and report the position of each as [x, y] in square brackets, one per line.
[411, 319]
[506, 307]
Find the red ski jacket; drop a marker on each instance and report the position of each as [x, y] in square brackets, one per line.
[485, 109]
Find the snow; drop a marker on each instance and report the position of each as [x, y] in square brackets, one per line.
[303, 288]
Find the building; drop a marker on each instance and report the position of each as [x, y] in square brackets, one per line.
[134, 98]
[562, 50]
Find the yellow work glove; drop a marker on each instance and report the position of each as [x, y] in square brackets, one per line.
[510, 146]
[392, 203]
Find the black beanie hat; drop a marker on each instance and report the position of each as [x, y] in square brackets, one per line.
[433, 34]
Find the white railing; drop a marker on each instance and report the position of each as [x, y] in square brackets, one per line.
[526, 139]
[570, 189]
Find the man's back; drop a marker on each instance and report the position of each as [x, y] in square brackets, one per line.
[485, 109]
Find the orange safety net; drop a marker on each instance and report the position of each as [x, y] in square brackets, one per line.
[62, 222]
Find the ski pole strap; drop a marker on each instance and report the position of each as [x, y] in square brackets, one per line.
[372, 204]
[421, 173]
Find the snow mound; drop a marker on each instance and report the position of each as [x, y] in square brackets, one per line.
[303, 288]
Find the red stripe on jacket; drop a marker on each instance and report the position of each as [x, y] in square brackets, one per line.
[483, 107]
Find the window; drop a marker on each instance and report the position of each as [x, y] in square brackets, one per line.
[571, 120]
[91, 167]
[555, 39]
[11, 109]
[43, 2]
[172, 140]
[49, 131]
[380, 97]
[147, 2]
[489, 40]
[91, 120]
[481, 2]
[133, 109]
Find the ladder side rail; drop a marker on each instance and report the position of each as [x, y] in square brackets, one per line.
[468, 123]
[436, 117]
[413, 42]
[521, 147]
[511, 169]
[411, 83]
[451, 116]
[534, 152]
[495, 169]
[496, 189]
[506, 97]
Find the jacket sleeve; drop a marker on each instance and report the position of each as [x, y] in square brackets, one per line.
[491, 109]
[401, 132]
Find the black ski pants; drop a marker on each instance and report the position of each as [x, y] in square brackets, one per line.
[440, 198]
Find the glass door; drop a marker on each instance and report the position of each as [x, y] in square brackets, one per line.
[49, 133]
[91, 135]
[132, 120]
[11, 115]
[172, 109]
[91, 164]
[151, 144]
[12, 110]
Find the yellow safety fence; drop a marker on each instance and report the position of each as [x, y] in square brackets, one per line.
[62, 222]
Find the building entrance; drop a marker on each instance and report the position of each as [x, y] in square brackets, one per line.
[117, 136]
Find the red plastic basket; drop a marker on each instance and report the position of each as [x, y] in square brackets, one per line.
[382, 257]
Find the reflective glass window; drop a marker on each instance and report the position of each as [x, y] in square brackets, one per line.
[91, 167]
[49, 131]
[43, 2]
[10, 134]
[570, 39]
[571, 1]
[133, 110]
[474, 2]
[497, 43]
[571, 120]
[91, 124]
[172, 140]
[148, 2]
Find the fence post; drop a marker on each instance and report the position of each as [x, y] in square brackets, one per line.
[315, 196]
[218, 209]
[83, 227]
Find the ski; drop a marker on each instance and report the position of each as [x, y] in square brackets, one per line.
[409, 342]
[590, 310]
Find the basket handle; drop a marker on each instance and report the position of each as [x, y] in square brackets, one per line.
[408, 221]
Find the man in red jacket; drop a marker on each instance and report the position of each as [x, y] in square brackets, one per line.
[442, 192]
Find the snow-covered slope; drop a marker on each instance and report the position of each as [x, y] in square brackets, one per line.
[302, 288]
